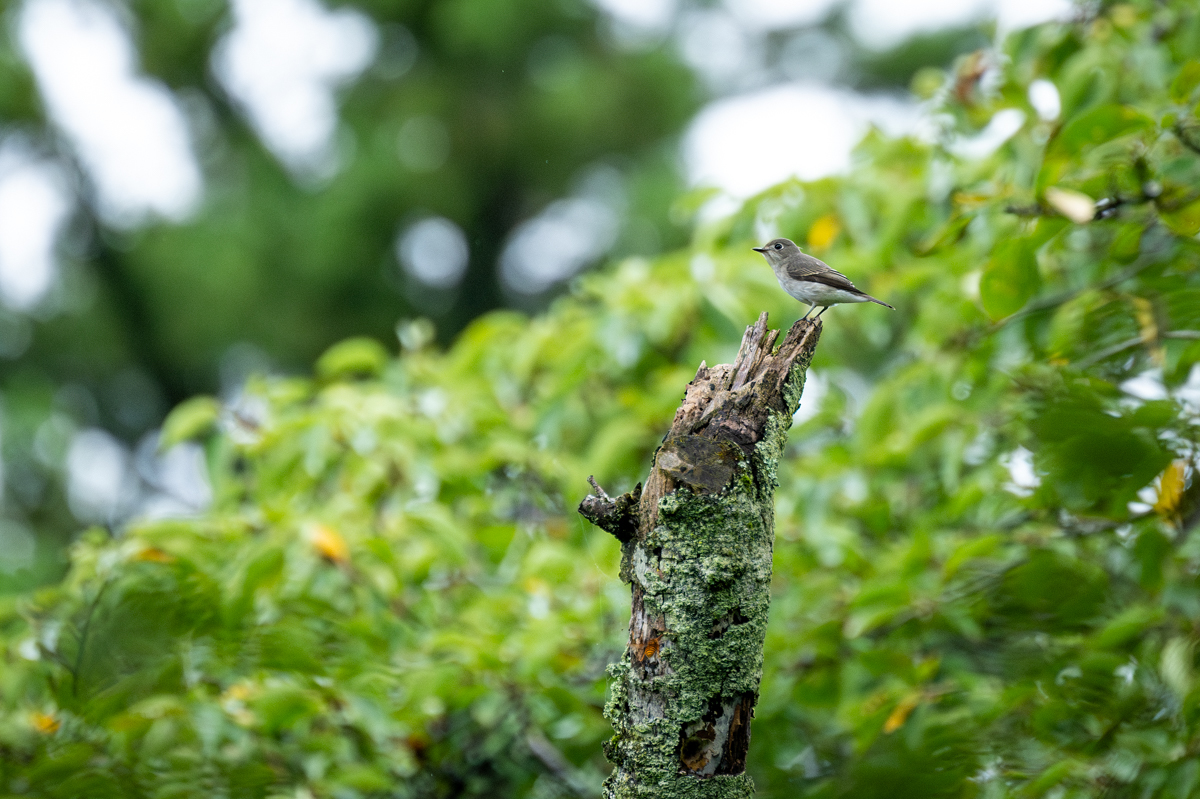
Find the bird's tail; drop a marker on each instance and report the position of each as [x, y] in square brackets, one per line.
[878, 302]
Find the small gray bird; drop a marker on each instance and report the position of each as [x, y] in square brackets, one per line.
[809, 279]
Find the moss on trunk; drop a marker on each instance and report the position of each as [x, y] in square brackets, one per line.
[696, 549]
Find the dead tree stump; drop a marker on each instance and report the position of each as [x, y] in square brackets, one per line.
[696, 547]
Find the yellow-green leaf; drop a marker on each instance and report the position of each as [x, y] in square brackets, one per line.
[1185, 82]
[354, 357]
[1009, 280]
[191, 419]
[1184, 221]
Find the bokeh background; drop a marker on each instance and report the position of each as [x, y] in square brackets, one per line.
[193, 191]
[318, 316]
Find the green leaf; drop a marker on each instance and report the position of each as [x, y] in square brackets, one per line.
[1155, 413]
[289, 647]
[1183, 309]
[283, 706]
[951, 231]
[1094, 461]
[1052, 776]
[1126, 244]
[191, 419]
[1184, 221]
[1177, 665]
[1150, 553]
[1100, 125]
[1079, 135]
[1185, 82]
[251, 779]
[1050, 591]
[969, 550]
[1010, 279]
[1128, 625]
[353, 358]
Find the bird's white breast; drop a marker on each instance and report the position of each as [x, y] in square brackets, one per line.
[813, 293]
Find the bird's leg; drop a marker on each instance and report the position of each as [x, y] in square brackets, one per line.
[810, 310]
[823, 310]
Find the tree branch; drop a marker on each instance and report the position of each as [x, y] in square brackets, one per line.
[617, 516]
[697, 543]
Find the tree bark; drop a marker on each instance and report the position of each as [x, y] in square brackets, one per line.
[696, 548]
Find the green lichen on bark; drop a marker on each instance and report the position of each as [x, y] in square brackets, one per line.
[700, 570]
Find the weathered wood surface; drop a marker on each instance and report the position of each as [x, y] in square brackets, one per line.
[697, 541]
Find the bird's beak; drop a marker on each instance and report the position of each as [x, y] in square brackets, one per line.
[759, 249]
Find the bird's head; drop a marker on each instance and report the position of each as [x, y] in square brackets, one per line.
[777, 250]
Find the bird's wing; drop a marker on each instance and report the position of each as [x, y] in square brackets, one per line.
[812, 269]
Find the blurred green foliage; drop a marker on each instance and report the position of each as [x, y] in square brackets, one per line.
[534, 99]
[528, 93]
[272, 269]
[988, 540]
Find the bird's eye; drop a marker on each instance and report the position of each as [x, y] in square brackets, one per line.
[779, 245]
